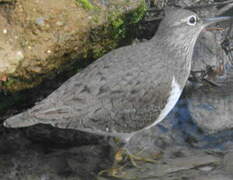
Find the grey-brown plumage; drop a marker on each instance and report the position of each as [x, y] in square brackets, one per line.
[126, 90]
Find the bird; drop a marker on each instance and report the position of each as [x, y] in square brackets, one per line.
[127, 90]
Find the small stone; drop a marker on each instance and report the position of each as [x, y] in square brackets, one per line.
[228, 162]
[4, 31]
[44, 177]
[40, 21]
[59, 23]
[206, 168]
[19, 55]
[36, 69]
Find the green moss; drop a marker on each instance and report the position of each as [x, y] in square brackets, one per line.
[117, 27]
[9, 82]
[139, 13]
[119, 31]
[120, 24]
[98, 52]
[85, 4]
[95, 19]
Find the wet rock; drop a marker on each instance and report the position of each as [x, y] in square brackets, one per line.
[180, 164]
[207, 52]
[211, 111]
[228, 162]
[213, 177]
[21, 158]
[217, 175]
[210, 96]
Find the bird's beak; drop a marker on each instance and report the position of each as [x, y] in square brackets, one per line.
[208, 21]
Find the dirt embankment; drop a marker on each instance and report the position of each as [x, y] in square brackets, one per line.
[38, 37]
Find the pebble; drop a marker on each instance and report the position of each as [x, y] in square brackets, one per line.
[4, 31]
[40, 21]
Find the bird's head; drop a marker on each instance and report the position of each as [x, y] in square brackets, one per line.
[184, 26]
[176, 38]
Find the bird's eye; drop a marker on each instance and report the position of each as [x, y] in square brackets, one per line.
[192, 20]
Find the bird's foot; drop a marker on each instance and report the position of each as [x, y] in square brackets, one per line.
[133, 158]
[120, 162]
[123, 159]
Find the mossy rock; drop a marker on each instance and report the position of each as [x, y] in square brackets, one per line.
[41, 38]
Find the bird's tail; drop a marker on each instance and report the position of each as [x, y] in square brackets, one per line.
[20, 120]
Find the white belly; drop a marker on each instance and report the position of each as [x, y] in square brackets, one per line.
[171, 102]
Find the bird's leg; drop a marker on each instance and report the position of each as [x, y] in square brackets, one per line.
[119, 164]
[136, 157]
[123, 158]
[118, 159]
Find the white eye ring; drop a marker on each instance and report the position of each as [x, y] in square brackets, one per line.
[192, 20]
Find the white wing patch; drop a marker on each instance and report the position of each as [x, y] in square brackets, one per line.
[171, 102]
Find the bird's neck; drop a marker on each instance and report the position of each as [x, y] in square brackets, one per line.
[178, 54]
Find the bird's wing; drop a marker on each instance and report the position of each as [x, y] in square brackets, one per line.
[118, 92]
